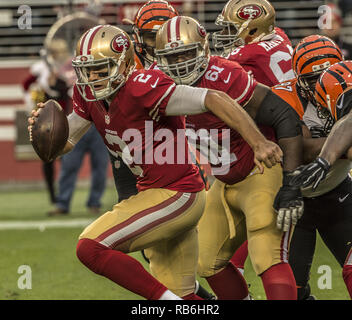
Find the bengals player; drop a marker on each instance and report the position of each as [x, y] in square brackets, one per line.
[333, 94]
[148, 19]
[311, 57]
[141, 105]
[240, 202]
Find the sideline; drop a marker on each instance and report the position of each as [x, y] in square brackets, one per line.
[42, 225]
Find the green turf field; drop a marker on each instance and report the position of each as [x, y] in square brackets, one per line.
[57, 274]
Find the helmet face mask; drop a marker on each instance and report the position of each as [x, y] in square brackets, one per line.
[146, 43]
[307, 83]
[108, 79]
[104, 60]
[227, 39]
[182, 50]
[184, 65]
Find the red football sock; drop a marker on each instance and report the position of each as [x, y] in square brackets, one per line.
[347, 277]
[240, 256]
[279, 282]
[229, 284]
[192, 296]
[120, 268]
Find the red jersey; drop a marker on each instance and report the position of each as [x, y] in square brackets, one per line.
[229, 77]
[135, 127]
[269, 61]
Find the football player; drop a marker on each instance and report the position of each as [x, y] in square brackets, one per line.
[133, 110]
[333, 94]
[148, 19]
[311, 57]
[240, 202]
[249, 37]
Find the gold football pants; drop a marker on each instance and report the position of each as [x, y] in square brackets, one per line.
[234, 213]
[161, 221]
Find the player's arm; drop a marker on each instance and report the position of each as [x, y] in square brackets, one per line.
[187, 100]
[339, 140]
[269, 109]
[77, 125]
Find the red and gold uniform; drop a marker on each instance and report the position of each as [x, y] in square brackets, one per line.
[268, 60]
[239, 203]
[163, 215]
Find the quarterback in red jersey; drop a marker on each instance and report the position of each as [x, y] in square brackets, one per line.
[147, 107]
[251, 38]
[240, 202]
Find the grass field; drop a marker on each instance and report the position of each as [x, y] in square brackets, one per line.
[57, 274]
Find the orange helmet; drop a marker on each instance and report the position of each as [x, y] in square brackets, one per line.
[311, 56]
[333, 91]
[149, 18]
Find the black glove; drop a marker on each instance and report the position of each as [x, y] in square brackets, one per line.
[288, 204]
[318, 132]
[312, 173]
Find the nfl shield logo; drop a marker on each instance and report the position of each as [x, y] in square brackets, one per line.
[107, 119]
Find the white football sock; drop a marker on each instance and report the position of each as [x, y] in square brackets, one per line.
[168, 295]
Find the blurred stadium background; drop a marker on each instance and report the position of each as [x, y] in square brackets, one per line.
[24, 235]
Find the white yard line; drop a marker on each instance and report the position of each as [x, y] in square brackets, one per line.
[41, 225]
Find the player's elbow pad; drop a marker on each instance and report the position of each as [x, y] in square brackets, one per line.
[276, 113]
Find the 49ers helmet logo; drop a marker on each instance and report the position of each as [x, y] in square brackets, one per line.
[251, 11]
[120, 43]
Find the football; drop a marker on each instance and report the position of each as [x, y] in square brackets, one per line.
[50, 131]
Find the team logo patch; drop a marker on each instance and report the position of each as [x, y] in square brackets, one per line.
[107, 119]
[201, 31]
[120, 43]
[251, 11]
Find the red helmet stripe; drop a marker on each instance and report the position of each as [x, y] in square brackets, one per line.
[88, 40]
[178, 22]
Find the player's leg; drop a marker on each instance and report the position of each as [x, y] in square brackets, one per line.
[335, 225]
[70, 165]
[302, 249]
[347, 273]
[267, 246]
[142, 221]
[49, 175]
[216, 246]
[99, 162]
[179, 276]
[125, 181]
[240, 257]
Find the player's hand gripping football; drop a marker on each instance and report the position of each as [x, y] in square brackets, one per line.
[310, 174]
[33, 117]
[288, 204]
[48, 130]
[267, 152]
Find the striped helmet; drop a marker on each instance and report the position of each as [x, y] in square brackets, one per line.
[333, 91]
[149, 18]
[311, 56]
[182, 49]
[107, 48]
